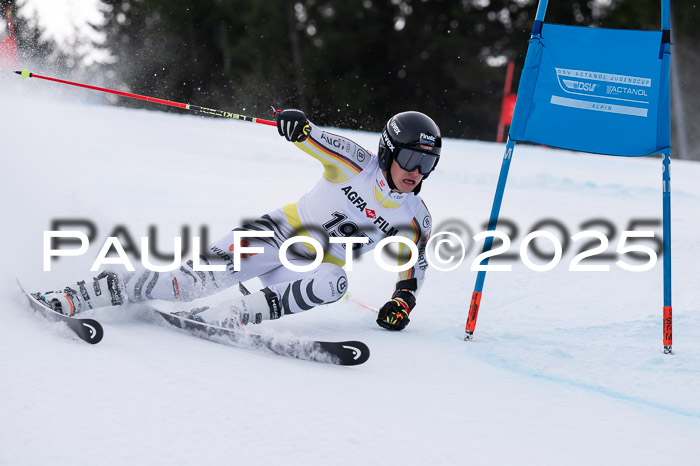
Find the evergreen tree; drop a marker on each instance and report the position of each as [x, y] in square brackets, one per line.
[346, 63]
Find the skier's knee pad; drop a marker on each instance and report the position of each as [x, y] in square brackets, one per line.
[330, 281]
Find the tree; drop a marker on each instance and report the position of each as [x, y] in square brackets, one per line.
[345, 63]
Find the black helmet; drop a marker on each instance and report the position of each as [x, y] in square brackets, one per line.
[413, 140]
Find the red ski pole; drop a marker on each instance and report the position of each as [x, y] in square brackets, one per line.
[195, 108]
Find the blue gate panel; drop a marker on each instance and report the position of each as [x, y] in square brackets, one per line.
[604, 91]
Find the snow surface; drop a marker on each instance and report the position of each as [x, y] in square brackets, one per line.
[566, 367]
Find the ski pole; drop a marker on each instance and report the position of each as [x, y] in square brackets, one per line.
[349, 297]
[195, 108]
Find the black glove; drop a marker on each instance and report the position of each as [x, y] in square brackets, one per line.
[394, 314]
[293, 125]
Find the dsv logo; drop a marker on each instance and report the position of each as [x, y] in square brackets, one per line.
[580, 86]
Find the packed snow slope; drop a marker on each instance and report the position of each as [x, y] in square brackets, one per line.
[566, 367]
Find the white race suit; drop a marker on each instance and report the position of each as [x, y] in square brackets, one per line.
[353, 199]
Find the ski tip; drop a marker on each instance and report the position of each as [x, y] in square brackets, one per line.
[19, 283]
[92, 331]
[347, 353]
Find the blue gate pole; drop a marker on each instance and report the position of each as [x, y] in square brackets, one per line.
[496, 207]
[668, 314]
[541, 10]
[493, 221]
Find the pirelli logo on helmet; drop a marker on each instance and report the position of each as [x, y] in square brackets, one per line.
[387, 141]
[427, 139]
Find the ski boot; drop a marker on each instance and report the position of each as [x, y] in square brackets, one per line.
[250, 309]
[105, 290]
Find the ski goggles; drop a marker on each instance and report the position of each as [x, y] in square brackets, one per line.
[409, 160]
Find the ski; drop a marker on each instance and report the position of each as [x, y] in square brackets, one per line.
[88, 330]
[344, 353]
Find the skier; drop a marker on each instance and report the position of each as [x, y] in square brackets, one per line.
[360, 195]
